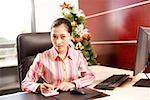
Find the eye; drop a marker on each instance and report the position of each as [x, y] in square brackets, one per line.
[54, 36]
[63, 36]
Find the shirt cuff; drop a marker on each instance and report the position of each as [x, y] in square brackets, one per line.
[35, 87]
[77, 85]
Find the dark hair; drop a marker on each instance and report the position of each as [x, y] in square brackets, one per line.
[61, 21]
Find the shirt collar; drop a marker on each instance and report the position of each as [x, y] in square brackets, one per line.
[55, 53]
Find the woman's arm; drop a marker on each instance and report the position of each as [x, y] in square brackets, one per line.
[87, 77]
[29, 83]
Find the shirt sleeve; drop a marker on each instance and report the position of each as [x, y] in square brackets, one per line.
[87, 77]
[32, 76]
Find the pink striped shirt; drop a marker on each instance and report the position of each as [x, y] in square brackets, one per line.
[54, 70]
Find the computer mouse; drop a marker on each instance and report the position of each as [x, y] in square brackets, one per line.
[77, 91]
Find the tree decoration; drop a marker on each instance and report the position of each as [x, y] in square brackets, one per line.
[81, 36]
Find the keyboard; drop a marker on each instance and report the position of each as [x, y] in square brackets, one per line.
[112, 82]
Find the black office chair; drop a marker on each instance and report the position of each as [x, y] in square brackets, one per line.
[28, 45]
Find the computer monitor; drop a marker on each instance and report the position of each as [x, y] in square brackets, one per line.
[142, 54]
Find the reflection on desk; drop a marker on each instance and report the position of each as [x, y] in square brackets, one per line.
[24, 96]
[90, 94]
[123, 92]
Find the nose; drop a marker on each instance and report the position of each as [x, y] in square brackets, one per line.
[58, 41]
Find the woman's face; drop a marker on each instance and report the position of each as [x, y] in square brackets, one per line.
[60, 38]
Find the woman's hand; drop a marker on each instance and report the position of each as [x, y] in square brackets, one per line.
[65, 86]
[45, 87]
[26, 89]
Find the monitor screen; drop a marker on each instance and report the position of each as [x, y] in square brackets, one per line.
[142, 49]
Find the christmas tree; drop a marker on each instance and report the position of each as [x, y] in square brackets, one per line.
[81, 36]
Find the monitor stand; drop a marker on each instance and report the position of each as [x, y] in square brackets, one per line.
[143, 83]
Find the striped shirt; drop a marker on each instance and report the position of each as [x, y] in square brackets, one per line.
[55, 70]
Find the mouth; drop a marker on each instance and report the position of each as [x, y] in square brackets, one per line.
[59, 46]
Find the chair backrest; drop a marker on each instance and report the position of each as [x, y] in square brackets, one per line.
[28, 45]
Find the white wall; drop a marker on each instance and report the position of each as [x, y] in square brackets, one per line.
[46, 11]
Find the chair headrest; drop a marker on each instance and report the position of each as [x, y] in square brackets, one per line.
[29, 44]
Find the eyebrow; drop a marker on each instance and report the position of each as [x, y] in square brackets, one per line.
[60, 34]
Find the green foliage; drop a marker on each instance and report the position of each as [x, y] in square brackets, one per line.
[81, 36]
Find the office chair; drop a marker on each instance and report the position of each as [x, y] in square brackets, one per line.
[28, 45]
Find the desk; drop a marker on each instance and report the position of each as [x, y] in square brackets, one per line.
[124, 92]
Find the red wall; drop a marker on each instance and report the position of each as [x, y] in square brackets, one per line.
[118, 20]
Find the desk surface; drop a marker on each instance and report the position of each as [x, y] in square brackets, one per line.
[123, 92]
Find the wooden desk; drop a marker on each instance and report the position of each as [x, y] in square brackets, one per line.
[124, 92]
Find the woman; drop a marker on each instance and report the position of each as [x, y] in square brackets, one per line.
[61, 66]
